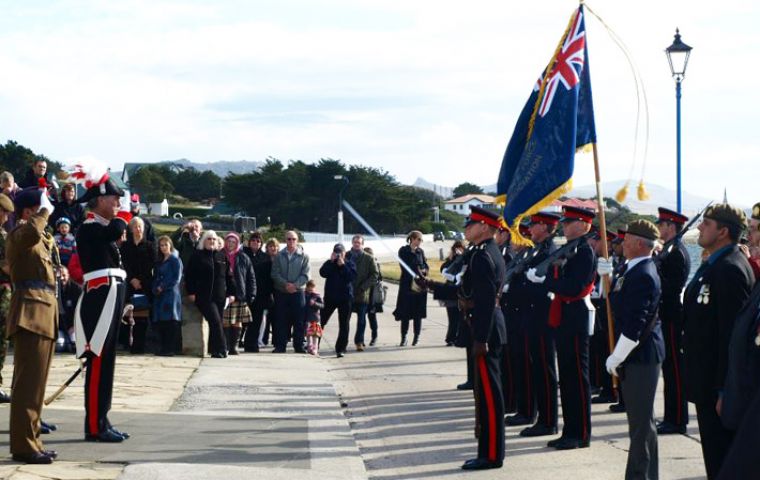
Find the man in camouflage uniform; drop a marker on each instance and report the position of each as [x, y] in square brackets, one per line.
[6, 207]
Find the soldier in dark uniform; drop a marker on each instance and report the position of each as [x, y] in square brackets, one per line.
[599, 348]
[571, 313]
[639, 348]
[507, 375]
[539, 336]
[99, 311]
[481, 288]
[712, 300]
[673, 264]
[32, 322]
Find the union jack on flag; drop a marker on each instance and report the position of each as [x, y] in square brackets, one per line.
[557, 120]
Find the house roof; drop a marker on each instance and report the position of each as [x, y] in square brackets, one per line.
[576, 202]
[472, 196]
[131, 168]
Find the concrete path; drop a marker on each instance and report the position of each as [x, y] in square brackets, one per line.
[385, 413]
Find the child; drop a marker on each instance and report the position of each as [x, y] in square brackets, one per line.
[67, 244]
[314, 304]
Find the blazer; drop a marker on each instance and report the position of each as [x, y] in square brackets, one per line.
[635, 300]
[714, 296]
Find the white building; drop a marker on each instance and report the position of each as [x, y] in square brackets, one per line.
[461, 205]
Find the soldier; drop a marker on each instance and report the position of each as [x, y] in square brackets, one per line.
[599, 348]
[507, 375]
[673, 265]
[639, 348]
[32, 322]
[102, 302]
[6, 208]
[712, 300]
[539, 336]
[571, 313]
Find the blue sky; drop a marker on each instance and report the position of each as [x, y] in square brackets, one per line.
[422, 89]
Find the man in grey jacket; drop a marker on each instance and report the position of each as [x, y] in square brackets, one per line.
[366, 277]
[290, 272]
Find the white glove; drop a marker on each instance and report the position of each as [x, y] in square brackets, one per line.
[623, 348]
[45, 202]
[604, 266]
[448, 276]
[458, 278]
[531, 275]
[505, 288]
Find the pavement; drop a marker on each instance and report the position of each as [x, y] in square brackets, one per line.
[389, 412]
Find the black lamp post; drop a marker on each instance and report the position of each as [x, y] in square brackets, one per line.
[678, 58]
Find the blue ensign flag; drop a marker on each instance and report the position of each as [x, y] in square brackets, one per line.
[557, 121]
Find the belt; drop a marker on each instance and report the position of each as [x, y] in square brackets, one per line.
[105, 272]
[33, 285]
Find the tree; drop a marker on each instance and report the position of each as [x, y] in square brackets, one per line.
[151, 184]
[465, 189]
[196, 186]
[18, 159]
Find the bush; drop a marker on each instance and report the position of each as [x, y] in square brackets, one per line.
[278, 232]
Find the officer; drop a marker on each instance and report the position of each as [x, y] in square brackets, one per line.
[571, 313]
[102, 302]
[639, 348]
[32, 322]
[599, 348]
[673, 265]
[542, 353]
[712, 300]
[6, 208]
[507, 374]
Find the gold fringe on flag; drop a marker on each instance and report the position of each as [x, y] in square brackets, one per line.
[622, 193]
[643, 193]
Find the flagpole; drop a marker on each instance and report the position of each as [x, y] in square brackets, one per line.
[605, 253]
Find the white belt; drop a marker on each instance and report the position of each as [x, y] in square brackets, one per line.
[105, 272]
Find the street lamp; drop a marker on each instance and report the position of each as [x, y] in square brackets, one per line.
[678, 57]
[340, 205]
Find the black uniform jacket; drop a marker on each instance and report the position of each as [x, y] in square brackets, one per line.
[484, 279]
[634, 305]
[536, 295]
[714, 296]
[573, 275]
[743, 375]
[96, 244]
[673, 264]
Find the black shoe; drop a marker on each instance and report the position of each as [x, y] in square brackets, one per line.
[555, 442]
[465, 386]
[107, 436]
[617, 408]
[571, 444]
[50, 453]
[218, 355]
[517, 419]
[449, 343]
[538, 431]
[251, 350]
[480, 464]
[403, 341]
[117, 432]
[604, 399]
[416, 340]
[339, 355]
[373, 342]
[36, 458]
[667, 428]
[596, 390]
[278, 350]
[50, 426]
[44, 430]
[4, 397]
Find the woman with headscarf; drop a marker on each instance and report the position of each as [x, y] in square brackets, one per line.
[411, 303]
[209, 285]
[237, 313]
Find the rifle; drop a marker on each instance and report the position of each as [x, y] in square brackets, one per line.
[668, 247]
[562, 252]
[519, 264]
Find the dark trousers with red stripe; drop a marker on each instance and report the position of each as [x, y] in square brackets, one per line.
[676, 405]
[98, 382]
[543, 354]
[575, 390]
[519, 344]
[490, 410]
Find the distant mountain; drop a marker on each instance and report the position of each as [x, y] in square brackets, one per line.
[445, 192]
[221, 168]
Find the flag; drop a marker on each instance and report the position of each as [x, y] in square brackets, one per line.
[557, 121]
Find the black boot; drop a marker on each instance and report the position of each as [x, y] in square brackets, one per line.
[403, 341]
[233, 335]
[416, 340]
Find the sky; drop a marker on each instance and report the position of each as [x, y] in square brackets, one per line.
[419, 88]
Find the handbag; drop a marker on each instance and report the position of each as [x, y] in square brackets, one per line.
[379, 292]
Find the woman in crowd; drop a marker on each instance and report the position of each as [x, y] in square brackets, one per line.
[273, 248]
[262, 268]
[412, 302]
[209, 285]
[376, 298]
[139, 257]
[237, 313]
[167, 299]
[67, 207]
[450, 268]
